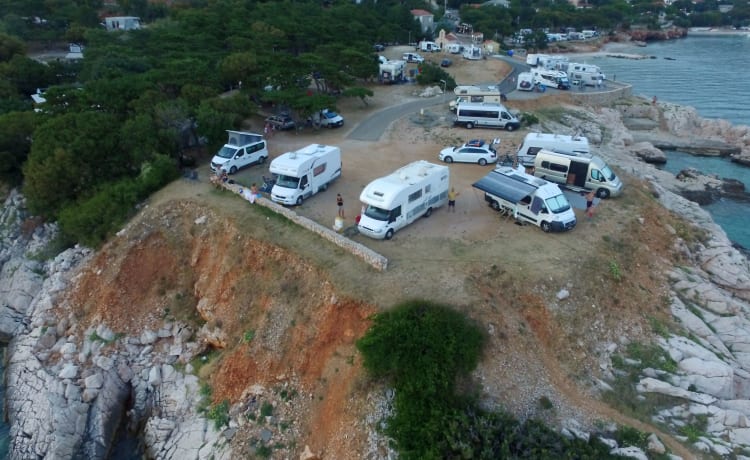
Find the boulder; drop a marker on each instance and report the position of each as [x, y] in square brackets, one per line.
[648, 153]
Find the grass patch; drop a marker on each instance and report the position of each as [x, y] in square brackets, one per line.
[219, 413]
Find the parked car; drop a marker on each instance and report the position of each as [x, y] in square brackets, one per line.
[474, 151]
[446, 63]
[412, 57]
[280, 122]
[378, 47]
[327, 119]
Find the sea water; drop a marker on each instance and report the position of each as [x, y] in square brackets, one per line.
[701, 72]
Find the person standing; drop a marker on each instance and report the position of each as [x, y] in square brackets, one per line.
[452, 199]
[340, 205]
[590, 204]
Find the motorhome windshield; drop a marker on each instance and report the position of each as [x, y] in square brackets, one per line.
[608, 174]
[557, 204]
[288, 182]
[227, 152]
[376, 213]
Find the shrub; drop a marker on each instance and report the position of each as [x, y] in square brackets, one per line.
[219, 413]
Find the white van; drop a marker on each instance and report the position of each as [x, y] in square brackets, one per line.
[551, 78]
[242, 149]
[578, 173]
[412, 57]
[431, 47]
[305, 172]
[485, 116]
[528, 199]
[534, 142]
[398, 199]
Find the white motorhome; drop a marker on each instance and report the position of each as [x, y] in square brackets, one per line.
[585, 74]
[589, 34]
[392, 71]
[429, 46]
[242, 149]
[398, 199]
[551, 78]
[455, 48]
[528, 199]
[305, 172]
[485, 116]
[561, 143]
[476, 94]
[472, 53]
[525, 81]
[581, 173]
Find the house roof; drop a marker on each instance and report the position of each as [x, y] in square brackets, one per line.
[419, 12]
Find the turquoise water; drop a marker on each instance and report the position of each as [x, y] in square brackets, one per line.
[701, 72]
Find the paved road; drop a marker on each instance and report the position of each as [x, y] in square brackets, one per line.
[373, 127]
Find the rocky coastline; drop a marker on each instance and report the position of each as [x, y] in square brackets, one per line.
[72, 392]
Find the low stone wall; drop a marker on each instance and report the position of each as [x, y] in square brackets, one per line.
[378, 261]
[608, 95]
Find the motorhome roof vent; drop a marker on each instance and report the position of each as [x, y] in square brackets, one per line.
[403, 175]
[292, 155]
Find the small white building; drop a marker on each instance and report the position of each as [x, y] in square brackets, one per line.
[122, 23]
[425, 18]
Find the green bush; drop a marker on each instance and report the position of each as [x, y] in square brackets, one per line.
[90, 221]
[431, 74]
[423, 348]
[219, 413]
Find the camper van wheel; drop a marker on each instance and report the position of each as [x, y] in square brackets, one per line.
[602, 193]
[233, 170]
[495, 205]
[299, 201]
[323, 187]
[449, 159]
[482, 162]
[262, 160]
[510, 127]
[428, 213]
[546, 227]
[469, 125]
[389, 234]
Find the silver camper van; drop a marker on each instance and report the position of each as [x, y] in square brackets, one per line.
[577, 173]
[485, 116]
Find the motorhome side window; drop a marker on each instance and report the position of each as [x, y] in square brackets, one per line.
[319, 169]
[303, 182]
[534, 151]
[240, 152]
[396, 212]
[477, 98]
[415, 196]
[428, 188]
[255, 148]
[505, 116]
[596, 175]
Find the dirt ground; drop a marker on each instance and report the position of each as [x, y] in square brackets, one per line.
[309, 301]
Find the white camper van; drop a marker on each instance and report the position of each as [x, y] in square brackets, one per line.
[392, 71]
[305, 172]
[527, 198]
[485, 116]
[578, 173]
[398, 199]
[585, 74]
[431, 47]
[551, 78]
[476, 94]
[472, 53]
[242, 149]
[525, 81]
[534, 142]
